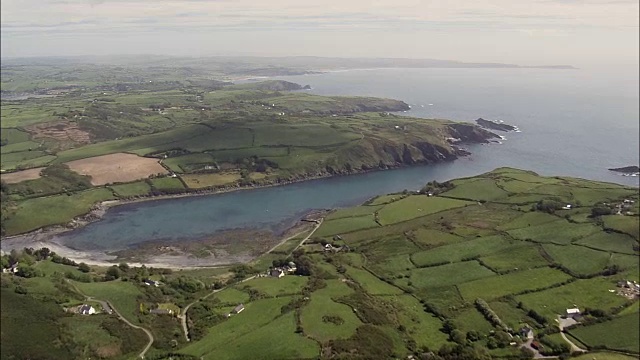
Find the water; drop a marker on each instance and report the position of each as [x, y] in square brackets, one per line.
[574, 123]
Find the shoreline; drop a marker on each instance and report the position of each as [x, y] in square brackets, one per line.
[99, 209]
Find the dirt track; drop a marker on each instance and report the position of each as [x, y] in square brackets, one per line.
[119, 167]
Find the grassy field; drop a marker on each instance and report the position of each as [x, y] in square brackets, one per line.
[449, 274]
[132, 189]
[558, 232]
[345, 225]
[610, 242]
[476, 189]
[512, 283]
[167, 183]
[620, 333]
[463, 250]
[121, 294]
[370, 283]
[256, 315]
[516, 257]
[416, 206]
[626, 224]
[271, 286]
[199, 181]
[321, 305]
[59, 209]
[593, 293]
[579, 259]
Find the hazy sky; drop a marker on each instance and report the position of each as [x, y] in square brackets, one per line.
[528, 32]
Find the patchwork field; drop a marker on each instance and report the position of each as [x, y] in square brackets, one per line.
[116, 168]
[18, 176]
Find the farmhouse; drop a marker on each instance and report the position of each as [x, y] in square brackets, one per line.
[277, 273]
[86, 310]
[238, 309]
[11, 270]
[149, 282]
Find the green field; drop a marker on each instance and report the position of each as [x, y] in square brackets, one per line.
[620, 333]
[323, 304]
[54, 210]
[272, 286]
[449, 274]
[132, 189]
[119, 293]
[479, 190]
[345, 225]
[611, 242]
[370, 283]
[512, 283]
[593, 293]
[558, 232]
[416, 206]
[579, 259]
[463, 250]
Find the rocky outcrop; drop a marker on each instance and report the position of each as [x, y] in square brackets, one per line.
[469, 133]
[494, 125]
[627, 169]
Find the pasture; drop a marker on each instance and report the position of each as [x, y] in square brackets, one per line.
[272, 286]
[32, 214]
[449, 274]
[511, 283]
[620, 333]
[116, 168]
[593, 293]
[122, 294]
[345, 225]
[200, 181]
[462, 250]
[416, 206]
[132, 189]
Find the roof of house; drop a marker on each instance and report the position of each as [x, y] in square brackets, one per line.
[85, 308]
[238, 308]
[161, 311]
[573, 311]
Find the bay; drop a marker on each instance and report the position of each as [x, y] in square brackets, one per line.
[573, 122]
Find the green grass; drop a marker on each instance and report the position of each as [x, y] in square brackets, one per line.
[620, 333]
[578, 259]
[288, 345]
[32, 214]
[558, 232]
[416, 206]
[353, 212]
[610, 242]
[167, 183]
[626, 224]
[422, 327]
[132, 189]
[471, 319]
[528, 219]
[512, 283]
[449, 274]
[477, 189]
[272, 286]
[121, 294]
[510, 314]
[345, 225]
[518, 257]
[370, 283]
[322, 304]
[232, 296]
[603, 356]
[256, 315]
[461, 250]
[435, 237]
[385, 199]
[593, 293]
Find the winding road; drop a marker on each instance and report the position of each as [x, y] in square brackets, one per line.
[109, 308]
[183, 315]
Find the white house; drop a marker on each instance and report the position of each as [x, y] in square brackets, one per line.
[573, 312]
[277, 273]
[87, 310]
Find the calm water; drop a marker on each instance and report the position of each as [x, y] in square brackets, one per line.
[576, 123]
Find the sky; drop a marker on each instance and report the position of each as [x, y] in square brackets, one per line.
[526, 32]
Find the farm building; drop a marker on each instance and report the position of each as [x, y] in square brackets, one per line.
[86, 310]
[11, 270]
[277, 273]
[573, 312]
[161, 311]
[152, 283]
[238, 309]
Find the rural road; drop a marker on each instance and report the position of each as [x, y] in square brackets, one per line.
[562, 323]
[183, 316]
[108, 307]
